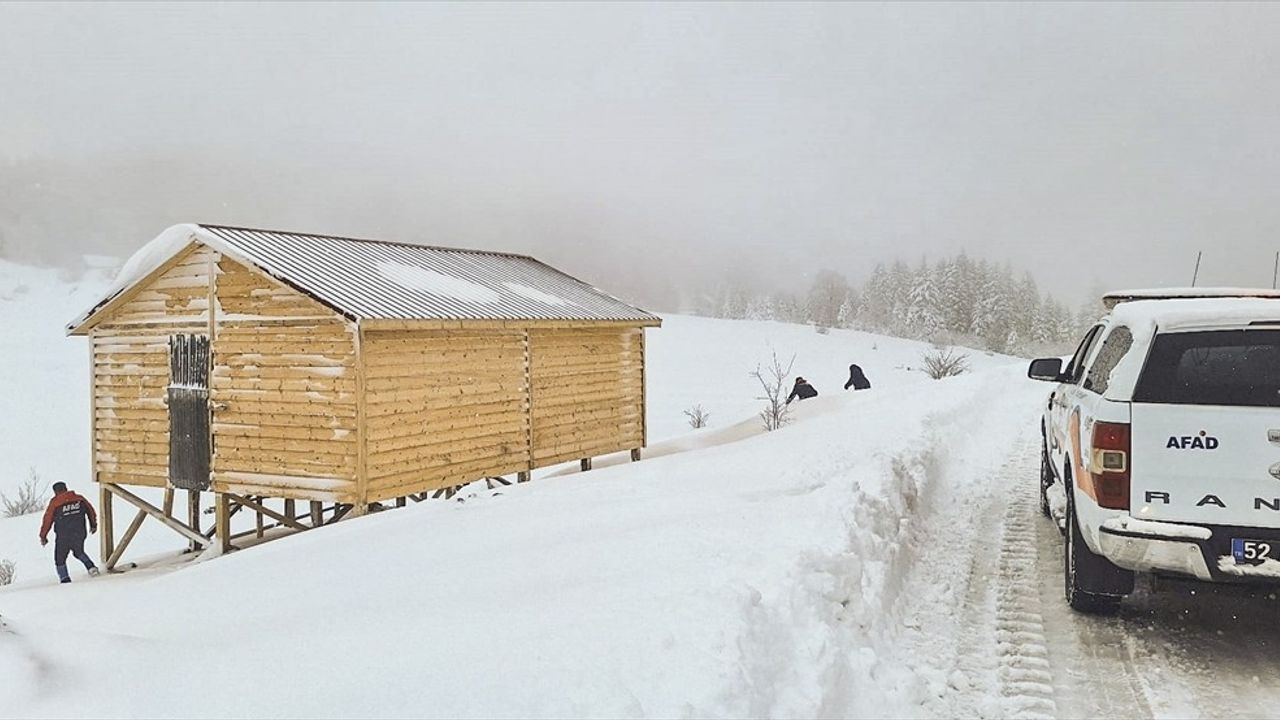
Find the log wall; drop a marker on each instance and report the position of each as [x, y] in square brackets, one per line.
[443, 408]
[131, 371]
[587, 392]
[284, 390]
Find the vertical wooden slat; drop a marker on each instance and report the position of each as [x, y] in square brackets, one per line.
[644, 392]
[528, 404]
[362, 434]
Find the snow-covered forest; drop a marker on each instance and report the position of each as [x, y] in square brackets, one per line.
[955, 300]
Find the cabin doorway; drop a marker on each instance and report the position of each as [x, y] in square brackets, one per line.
[188, 398]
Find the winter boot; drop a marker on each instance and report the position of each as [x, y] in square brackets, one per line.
[63, 575]
[94, 572]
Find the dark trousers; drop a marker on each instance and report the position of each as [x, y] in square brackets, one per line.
[69, 545]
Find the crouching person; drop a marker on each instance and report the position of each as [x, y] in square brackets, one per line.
[66, 515]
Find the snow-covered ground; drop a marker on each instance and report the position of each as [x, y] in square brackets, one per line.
[880, 556]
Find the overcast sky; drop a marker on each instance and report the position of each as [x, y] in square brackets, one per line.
[1090, 143]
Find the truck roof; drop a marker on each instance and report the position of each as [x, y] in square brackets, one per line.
[1116, 297]
[1199, 312]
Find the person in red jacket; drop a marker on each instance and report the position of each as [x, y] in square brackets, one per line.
[66, 516]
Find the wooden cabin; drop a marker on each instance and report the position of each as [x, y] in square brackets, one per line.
[345, 373]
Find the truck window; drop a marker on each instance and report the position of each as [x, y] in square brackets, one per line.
[1075, 368]
[1219, 367]
[1115, 347]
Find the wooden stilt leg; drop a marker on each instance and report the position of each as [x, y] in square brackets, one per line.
[635, 454]
[193, 514]
[222, 522]
[257, 521]
[401, 501]
[106, 525]
[586, 464]
[291, 508]
[317, 513]
[522, 476]
[126, 539]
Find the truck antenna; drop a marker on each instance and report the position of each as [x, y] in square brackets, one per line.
[1196, 274]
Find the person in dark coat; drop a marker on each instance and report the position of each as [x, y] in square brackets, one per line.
[802, 390]
[857, 380]
[66, 515]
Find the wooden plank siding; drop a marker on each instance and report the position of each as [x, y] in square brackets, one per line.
[443, 408]
[588, 392]
[284, 391]
[131, 371]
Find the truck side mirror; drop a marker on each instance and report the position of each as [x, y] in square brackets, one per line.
[1047, 369]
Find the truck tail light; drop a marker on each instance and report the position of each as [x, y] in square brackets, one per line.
[1109, 468]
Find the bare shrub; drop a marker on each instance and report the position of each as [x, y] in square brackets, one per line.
[941, 362]
[698, 418]
[8, 571]
[31, 497]
[773, 381]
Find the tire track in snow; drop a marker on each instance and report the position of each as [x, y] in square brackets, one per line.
[1024, 674]
[1092, 658]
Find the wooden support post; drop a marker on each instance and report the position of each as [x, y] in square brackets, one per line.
[635, 454]
[522, 476]
[124, 541]
[158, 514]
[193, 515]
[257, 521]
[291, 508]
[317, 513]
[106, 525]
[586, 464]
[222, 522]
[401, 501]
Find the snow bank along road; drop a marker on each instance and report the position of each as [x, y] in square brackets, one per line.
[882, 556]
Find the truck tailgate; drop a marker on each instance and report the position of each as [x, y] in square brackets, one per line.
[1218, 465]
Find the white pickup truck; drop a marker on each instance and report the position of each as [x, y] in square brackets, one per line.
[1161, 442]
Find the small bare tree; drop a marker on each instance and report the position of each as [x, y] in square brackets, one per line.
[8, 571]
[698, 418]
[773, 381]
[941, 362]
[30, 498]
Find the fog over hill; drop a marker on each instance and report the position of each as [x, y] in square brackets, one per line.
[660, 149]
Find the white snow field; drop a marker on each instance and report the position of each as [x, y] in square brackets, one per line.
[880, 556]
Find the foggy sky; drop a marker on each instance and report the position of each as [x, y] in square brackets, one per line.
[654, 144]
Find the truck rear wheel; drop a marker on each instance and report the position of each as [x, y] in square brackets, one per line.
[1093, 584]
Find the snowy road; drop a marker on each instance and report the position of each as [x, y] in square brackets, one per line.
[1016, 650]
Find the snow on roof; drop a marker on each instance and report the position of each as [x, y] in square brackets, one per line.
[1205, 312]
[373, 279]
[1116, 297]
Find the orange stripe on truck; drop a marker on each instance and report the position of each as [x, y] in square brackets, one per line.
[1083, 480]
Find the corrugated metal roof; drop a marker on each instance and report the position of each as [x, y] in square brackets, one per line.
[374, 279]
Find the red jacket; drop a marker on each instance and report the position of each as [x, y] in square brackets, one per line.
[68, 510]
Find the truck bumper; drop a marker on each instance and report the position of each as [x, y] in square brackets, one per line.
[1199, 551]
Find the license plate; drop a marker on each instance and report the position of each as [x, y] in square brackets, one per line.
[1252, 552]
